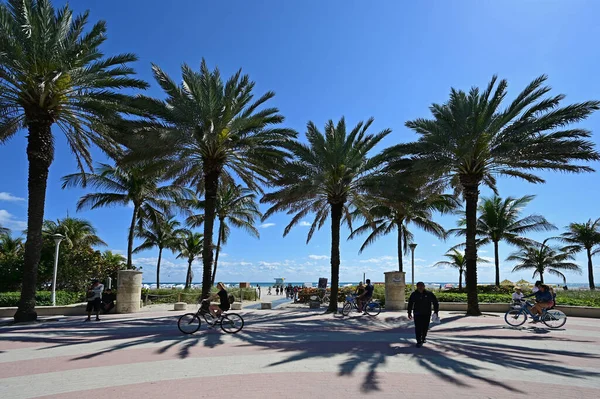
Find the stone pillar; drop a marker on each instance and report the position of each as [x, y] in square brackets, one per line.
[395, 295]
[129, 291]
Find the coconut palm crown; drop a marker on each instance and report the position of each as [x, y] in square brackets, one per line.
[476, 136]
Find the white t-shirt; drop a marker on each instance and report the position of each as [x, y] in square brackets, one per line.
[97, 290]
[517, 296]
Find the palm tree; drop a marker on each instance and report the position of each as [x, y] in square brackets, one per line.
[582, 236]
[211, 131]
[10, 247]
[327, 176]
[77, 232]
[543, 258]
[458, 261]
[237, 206]
[162, 232]
[499, 219]
[394, 211]
[54, 73]
[471, 139]
[4, 230]
[190, 247]
[135, 184]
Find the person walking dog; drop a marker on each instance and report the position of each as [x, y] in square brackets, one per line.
[419, 303]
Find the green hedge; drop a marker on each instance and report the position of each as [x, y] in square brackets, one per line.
[42, 298]
[167, 295]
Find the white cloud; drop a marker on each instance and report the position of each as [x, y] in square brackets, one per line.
[378, 260]
[434, 245]
[266, 225]
[304, 223]
[245, 264]
[117, 251]
[482, 251]
[9, 221]
[223, 254]
[318, 257]
[10, 197]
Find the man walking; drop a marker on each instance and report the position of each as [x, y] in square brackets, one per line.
[420, 301]
[94, 299]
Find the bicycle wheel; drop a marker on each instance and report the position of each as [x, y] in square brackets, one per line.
[373, 308]
[515, 317]
[232, 323]
[347, 309]
[189, 323]
[554, 318]
[326, 300]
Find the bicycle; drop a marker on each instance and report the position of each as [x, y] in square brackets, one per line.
[371, 308]
[189, 323]
[517, 316]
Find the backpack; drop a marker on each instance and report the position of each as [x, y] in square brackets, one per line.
[231, 298]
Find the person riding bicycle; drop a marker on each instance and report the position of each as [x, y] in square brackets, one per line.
[223, 306]
[543, 300]
[365, 297]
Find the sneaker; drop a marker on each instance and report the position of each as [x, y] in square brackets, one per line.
[97, 319]
[419, 344]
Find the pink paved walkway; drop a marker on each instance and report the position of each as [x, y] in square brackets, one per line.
[298, 353]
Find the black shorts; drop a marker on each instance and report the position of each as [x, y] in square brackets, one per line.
[223, 307]
[94, 305]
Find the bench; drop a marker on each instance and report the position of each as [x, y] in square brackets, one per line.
[265, 305]
[236, 306]
[180, 306]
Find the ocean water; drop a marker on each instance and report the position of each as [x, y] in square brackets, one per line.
[434, 284]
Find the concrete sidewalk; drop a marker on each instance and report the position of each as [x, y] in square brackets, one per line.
[298, 352]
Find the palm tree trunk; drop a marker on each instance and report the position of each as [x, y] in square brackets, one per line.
[542, 277]
[211, 184]
[40, 153]
[497, 261]
[400, 266]
[336, 217]
[460, 272]
[130, 238]
[158, 267]
[471, 195]
[188, 278]
[214, 273]
[590, 269]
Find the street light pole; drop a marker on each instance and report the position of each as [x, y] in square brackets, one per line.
[57, 239]
[412, 248]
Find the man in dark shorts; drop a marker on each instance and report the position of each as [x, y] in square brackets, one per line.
[94, 299]
[366, 296]
[223, 306]
[108, 300]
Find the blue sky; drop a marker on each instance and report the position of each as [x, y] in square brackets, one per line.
[386, 59]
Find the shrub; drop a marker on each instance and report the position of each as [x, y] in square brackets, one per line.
[191, 296]
[43, 298]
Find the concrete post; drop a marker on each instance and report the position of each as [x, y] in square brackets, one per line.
[129, 291]
[395, 295]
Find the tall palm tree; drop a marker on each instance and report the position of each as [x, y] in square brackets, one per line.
[211, 131]
[473, 138]
[52, 72]
[190, 247]
[499, 219]
[584, 236]
[4, 230]
[77, 232]
[543, 258]
[457, 260]
[327, 176]
[162, 232]
[135, 184]
[237, 206]
[393, 211]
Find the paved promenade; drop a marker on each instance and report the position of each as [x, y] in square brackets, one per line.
[298, 353]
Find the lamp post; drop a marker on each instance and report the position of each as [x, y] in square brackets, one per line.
[412, 248]
[57, 239]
